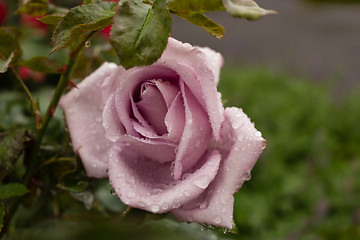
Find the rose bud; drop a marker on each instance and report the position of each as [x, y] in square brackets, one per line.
[162, 136]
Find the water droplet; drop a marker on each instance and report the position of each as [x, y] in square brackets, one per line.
[240, 138]
[120, 175]
[112, 191]
[131, 181]
[223, 200]
[187, 193]
[155, 198]
[223, 209]
[203, 205]
[131, 194]
[226, 230]
[185, 176]
[204, 227]
[246, 176]
[87, 44]
[217, 220]
[236, 124]
[141, 204]
[165, 206]
[155, 208]
[263, 144]
[201, 182]
[176, 203]
[258, 134]
[98, 119]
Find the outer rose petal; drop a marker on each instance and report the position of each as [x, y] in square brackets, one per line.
[215, 206]
[194, 62]
[148, 185]
[83, 110]
[215, 61]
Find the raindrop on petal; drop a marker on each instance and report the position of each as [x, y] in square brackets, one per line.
[258, 134]
[201, 182]
[155, 208]
[217, 220]
[246, 176]
[131, 194]
[176, 203]
[165, 206]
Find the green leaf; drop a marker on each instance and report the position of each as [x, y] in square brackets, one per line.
[42, 64]
[73, 181]
[51, 19]
[12, 190]
[34, 8]
[245, 9]
[9, 41]
[140, 32]
[78, 24]
[198, 6]
[2, 214]
[54, 9]
[12, 146]
[204, 22]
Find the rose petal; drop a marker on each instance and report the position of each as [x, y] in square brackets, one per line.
[214, 60]
[83, 112]
[154, 149]
[215, 206]
[175, 119]
[143, 184]
[141, 126]
[168, 91]
[111, 123]
[153, 107]
[127, 81]
[194, 62]
[196, 136]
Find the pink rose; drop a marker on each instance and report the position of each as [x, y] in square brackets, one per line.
[162, 136]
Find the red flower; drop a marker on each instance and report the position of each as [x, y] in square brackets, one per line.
[106, 32]
[3, 12]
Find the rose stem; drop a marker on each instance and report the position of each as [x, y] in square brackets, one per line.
[40, 134]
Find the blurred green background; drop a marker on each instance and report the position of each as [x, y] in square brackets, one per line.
[295, 77]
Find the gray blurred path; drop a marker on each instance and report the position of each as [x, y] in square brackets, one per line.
[318, 41]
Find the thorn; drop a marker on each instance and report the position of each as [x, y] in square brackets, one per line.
[72, 84]
[52, 111]
[63, 69]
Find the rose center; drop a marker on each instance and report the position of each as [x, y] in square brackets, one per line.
[152, 106]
